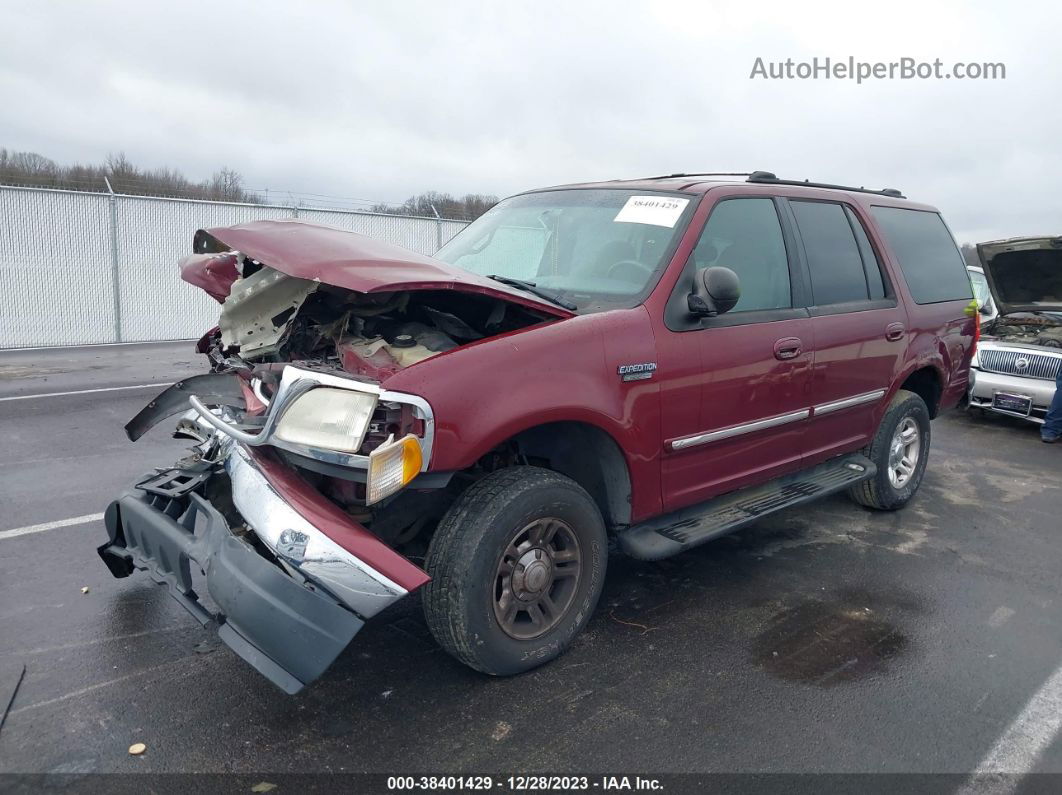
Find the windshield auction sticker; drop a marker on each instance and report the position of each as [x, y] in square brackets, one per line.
[655, 210]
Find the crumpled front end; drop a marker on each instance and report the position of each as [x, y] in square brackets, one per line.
[291, 577]
[309, 480]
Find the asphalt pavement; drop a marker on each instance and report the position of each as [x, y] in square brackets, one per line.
[827, 638]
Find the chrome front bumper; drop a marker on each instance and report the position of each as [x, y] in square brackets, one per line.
[290, 613]
[985, 385]
[303, 549]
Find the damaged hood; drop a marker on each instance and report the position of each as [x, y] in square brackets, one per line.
[352, 261]
[1024, 273]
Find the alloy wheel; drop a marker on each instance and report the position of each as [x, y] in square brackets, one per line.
[904, 450]
[537, 578]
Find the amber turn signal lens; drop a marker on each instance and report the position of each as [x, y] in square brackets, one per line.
[392, 465]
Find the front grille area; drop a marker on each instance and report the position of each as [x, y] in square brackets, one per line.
[1039, 365]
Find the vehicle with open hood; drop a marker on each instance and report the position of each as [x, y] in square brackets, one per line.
[1020, 353]
[643, 364]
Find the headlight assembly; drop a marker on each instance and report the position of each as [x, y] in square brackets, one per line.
[332, 419]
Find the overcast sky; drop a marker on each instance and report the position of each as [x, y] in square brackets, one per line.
[383, 100]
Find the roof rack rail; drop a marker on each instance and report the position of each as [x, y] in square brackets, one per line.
[766, 177]
[705, 174]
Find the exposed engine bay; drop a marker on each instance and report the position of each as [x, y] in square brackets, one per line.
[1027, 328]
[269, 316]
[276, 329]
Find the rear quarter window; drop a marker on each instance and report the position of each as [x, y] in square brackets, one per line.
[931, 263]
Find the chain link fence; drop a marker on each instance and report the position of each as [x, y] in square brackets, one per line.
[82, 268]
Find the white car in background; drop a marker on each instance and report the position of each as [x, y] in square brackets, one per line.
[1019, 295]
[982, 294]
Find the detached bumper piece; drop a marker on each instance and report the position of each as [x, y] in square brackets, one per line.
[286, 630]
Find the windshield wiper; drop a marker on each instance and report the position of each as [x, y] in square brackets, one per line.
[534, 289]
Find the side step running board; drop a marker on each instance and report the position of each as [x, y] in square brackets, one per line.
[669, 534]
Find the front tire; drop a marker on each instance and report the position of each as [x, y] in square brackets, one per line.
[517, 565]
[900, 450]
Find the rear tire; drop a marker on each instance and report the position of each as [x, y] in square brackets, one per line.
[517, 566]
[900, 450]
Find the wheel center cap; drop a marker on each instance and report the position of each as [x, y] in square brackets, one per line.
[534, 572]
[536, 576]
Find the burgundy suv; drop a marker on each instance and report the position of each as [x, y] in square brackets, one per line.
[659, 361]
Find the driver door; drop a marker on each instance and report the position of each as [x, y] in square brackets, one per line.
[735, 388]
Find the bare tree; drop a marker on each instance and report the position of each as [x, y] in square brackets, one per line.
[969, 254]
[29, 168]
[468, 207]
[225, 184]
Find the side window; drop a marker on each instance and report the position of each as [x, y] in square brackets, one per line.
[746, 236]
[931, 263]
[875, 282]
[834, 261]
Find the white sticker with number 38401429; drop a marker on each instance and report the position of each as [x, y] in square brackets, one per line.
[655, 210]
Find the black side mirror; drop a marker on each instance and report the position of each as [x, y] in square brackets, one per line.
[715, 290]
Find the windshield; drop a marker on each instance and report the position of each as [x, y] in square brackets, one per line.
[596, 248]
[980, 288]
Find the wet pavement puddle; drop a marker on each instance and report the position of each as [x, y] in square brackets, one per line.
[825, 643]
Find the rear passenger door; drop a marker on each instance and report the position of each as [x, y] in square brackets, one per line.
[858, 328]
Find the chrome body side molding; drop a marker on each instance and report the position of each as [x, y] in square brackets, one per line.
[686, 442]
[844, 403]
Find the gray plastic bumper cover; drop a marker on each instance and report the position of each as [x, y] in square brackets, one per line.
[285, 630]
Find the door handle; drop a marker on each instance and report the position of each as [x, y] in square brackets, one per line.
[894, 332]
[788, 348]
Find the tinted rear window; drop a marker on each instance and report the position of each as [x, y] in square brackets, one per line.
[837, 275]
[931, 263]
